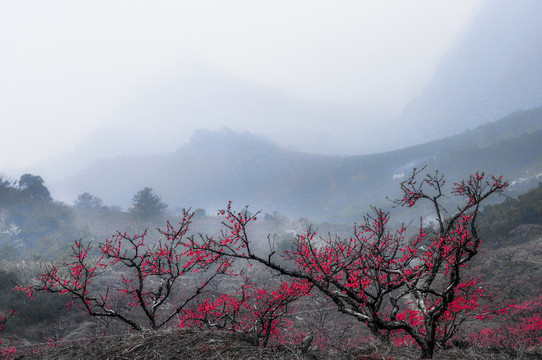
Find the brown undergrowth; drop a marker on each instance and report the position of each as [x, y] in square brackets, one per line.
[220, 345]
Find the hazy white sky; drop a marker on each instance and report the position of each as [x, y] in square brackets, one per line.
[66, 65]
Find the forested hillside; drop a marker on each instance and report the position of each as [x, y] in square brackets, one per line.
[513, 221]
[31, 223]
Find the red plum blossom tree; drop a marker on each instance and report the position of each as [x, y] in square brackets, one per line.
[398, 285]
[149, 277]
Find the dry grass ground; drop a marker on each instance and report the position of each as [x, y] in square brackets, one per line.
[217, 345]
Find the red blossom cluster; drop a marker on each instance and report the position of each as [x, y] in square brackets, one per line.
[4, 318]
[521, 328]
[259, 312]
[6, 352]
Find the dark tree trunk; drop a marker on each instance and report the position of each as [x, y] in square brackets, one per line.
[383, 337]
[427, 350]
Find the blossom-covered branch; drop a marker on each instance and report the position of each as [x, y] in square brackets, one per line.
[149, 276]
[394, 283]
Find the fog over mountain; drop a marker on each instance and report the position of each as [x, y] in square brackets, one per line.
[265, 146]
[99, 79]
[195, 92]
[218, 166]
[193, 95]
[494, 69]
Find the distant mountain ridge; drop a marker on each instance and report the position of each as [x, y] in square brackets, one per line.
[494, 69]
[217, 166]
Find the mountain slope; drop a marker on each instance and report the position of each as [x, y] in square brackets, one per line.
[219, 166]
[194, 95]
[494, 69]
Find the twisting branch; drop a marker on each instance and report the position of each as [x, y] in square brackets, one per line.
[150, 276]
[393, 284]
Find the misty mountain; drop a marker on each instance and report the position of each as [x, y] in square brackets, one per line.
[217, 166]
[166, 108]
[211, 169]
[192, 95]
[494, 69]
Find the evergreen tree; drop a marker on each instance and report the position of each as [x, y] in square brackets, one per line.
[33, 186]
[147, 205]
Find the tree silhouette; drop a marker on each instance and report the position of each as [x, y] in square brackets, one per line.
[88, 201]
[33, 186]
[147, 205]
